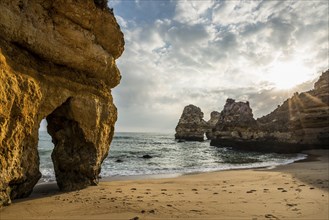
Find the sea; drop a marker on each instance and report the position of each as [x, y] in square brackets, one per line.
[143, 154]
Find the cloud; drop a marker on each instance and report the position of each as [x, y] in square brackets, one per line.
[202, 52]
[193, 12]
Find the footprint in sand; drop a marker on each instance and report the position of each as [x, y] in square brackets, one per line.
[271, 216]
[194, 210]
[133, 189]
[291, 204]
[194, 190]
[163, 190]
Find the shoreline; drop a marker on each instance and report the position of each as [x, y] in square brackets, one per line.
[43, 187]
[297, 190]
[173, 175]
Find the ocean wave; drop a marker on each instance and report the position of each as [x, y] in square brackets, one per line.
[169, 157]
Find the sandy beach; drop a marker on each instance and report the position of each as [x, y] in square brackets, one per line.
[294, 191]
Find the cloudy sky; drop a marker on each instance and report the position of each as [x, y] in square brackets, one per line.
[202, 52]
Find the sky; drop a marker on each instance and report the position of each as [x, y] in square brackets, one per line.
[202, 52]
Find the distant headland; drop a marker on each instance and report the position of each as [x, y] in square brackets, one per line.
[300, 123]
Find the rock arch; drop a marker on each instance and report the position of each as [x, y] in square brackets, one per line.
[57, 60]
[75, 154]
[81, 127]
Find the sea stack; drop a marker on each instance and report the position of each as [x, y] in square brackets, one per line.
[57, 61]
[235, 120]
[191, 126]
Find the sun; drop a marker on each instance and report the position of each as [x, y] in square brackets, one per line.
[286, 75]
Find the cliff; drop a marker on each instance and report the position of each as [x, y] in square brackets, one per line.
[57, 61]
[301, 122]
[191, 126]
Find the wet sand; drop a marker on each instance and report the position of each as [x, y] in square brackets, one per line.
[295, 191]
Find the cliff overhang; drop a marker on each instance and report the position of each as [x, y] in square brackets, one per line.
[57, 61]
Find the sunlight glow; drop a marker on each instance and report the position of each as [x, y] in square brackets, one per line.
[286, 75]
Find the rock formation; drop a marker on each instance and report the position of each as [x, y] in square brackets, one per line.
[237, 117]
[301, 122]
[57, 61]
[191, 126]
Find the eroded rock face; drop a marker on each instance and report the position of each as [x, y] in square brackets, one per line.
[303, 118]
[57, 61]
[191, 126]
[236, 115]
[300, 123]
[235, 120]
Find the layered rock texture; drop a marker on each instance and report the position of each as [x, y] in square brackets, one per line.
[191, 126]
[57, 61]
[235, 119]
[301, 122]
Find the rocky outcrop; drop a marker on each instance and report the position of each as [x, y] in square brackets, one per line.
[300, 123]
[57, 61]
[236, 117]
[191, 126]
